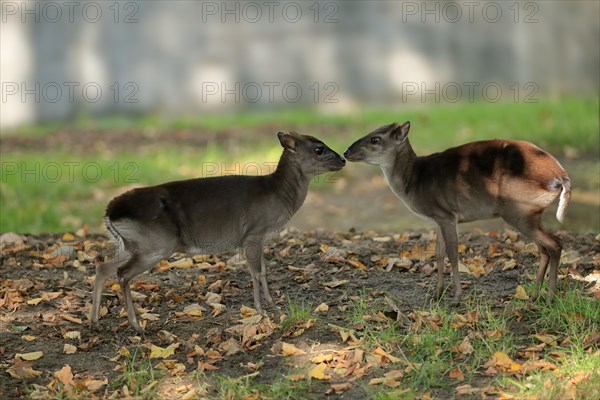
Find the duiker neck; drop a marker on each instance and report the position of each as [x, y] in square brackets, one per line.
[400, 167]
[290, 183]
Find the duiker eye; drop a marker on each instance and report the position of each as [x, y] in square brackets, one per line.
[319, 151]
[375, 140]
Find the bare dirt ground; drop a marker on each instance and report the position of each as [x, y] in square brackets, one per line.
[46, 282]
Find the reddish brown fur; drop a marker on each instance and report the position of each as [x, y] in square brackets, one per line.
[514, 180]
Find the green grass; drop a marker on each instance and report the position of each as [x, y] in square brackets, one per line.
[35, 203]
[297, 314]
[244, 387]
[138, 375]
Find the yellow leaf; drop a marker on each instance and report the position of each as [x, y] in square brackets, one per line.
[72, 319]
[184, 263]
[194, 310]
[291, 350]
[30, 356]
[202, 280]
[72, 335]
[69, 348]
[321, 358]
[321, 308]
[548, 339]
[29, 338]
[246, 312]
[159, 352]
[35, 301]
[67, 237]
[380, 352]
[521, 294]
[318, 372]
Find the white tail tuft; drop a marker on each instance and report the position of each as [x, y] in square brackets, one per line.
[115, 234]
[565, 196]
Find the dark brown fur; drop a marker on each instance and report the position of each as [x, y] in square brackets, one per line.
[210, 215]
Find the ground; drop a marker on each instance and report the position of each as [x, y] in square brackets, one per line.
[355, 319]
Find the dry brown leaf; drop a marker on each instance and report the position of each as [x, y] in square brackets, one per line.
[70, 318]
[289, 350]
[69, 348]
[521, 294]
[322, 308]
[203, 366]
[465, 347]
[457, 374]
[22, 370]
[65, 375]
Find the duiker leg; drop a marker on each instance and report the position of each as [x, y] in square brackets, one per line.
[550, 248]
[450, 236]
[253, 248]
[263, 282]
[137, 265]
[541, 273]
[103, 272]
[440, 255]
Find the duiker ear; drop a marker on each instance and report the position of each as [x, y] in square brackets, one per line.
[287, 141]
[400, 132]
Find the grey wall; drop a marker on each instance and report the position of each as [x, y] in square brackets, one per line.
[174, 57]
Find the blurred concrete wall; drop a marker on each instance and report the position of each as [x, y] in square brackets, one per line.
[60, 59]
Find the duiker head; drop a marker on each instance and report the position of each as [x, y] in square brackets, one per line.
[312, 155]
[380, 146]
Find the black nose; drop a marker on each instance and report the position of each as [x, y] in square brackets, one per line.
[342, 161]
[346, 153]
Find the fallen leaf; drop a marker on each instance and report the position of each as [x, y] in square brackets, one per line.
[159, 352]
[35, 301]
[322, 308]
[29, 338]
[465, 347]
[318, 372]
[203, 366]
[336, 283]
[22, 370]
[93, 385]
[69, 348]
[74, 335]
[521, 294]
[291, 350]
[321, 358]
[341, 387]
[70, 318]
[246, 312]
[65, 375]
[457, 374]
[194, 310]
[30, 356]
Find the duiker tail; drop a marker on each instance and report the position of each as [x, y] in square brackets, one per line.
[565, 196]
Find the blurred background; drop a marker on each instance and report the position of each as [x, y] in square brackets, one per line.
[99, 97]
